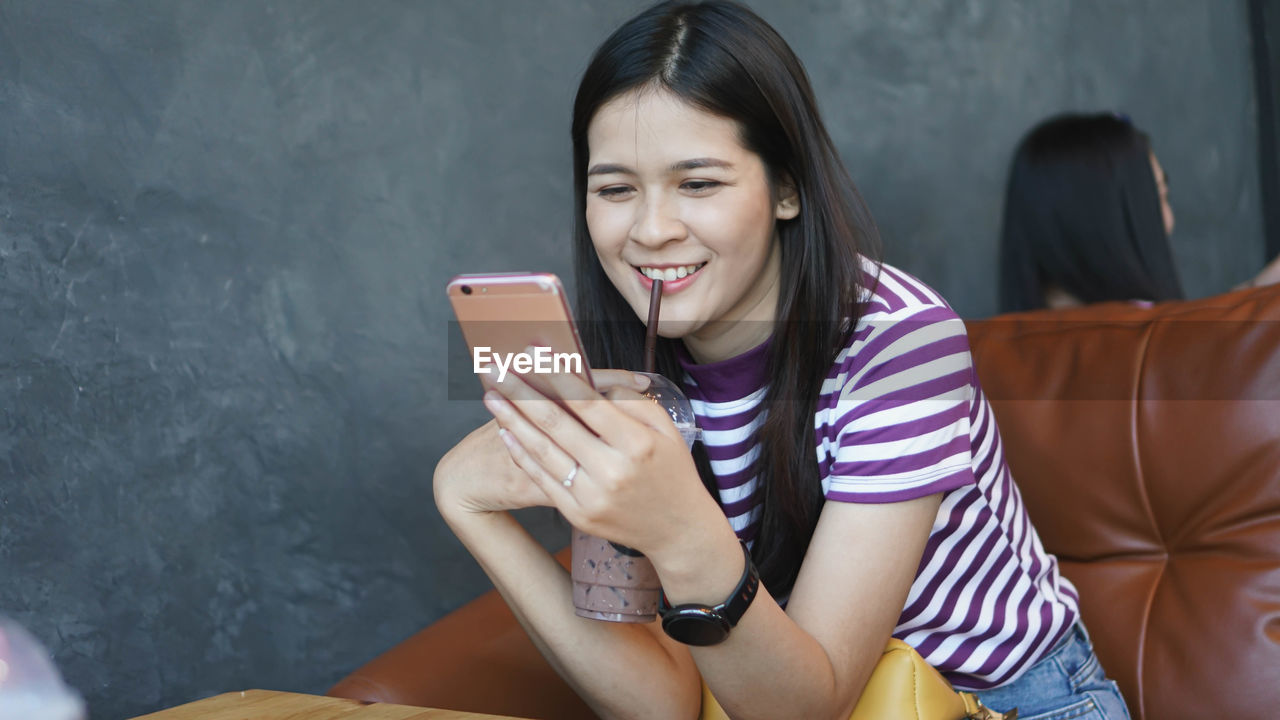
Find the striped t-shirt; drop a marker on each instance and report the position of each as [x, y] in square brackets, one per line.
[901, 416]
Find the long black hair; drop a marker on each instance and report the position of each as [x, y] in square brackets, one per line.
[724, 59]
[1082, 213]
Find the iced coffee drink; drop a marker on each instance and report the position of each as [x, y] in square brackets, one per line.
[612, 582]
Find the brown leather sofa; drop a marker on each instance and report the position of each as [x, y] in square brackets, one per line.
[1146, 443]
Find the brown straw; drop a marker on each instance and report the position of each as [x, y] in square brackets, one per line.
[651, 332]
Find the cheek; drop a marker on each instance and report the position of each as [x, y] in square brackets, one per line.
[606, 225]
[746, 223]
[608, 230]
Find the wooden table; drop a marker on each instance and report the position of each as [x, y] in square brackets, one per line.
[271, 705]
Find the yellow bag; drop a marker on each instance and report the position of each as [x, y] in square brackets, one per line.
[902, 687]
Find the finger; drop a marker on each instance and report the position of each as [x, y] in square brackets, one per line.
[555, 489]
[551, 436]
[613, 426]
[527, 489]
[643, 410]
[561, 425]
[606, 380]
[541, 382]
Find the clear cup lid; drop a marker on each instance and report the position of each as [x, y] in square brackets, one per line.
[671, 398]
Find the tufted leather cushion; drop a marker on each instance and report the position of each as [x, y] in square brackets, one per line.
[1146, 443]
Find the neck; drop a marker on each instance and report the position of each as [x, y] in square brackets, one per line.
[1055, 298]
[746, 328]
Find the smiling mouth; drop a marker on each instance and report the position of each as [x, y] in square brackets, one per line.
[669, 274]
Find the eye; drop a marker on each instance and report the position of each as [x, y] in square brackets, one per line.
[613, 192]
[699, 186]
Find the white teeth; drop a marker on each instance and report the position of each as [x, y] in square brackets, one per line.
[670, 274]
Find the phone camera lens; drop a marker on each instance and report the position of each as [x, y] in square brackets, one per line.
[466, 289]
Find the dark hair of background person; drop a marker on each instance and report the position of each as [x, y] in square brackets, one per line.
[724, 59]
[1082, 214]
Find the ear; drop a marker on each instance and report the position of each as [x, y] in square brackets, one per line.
[788, 205]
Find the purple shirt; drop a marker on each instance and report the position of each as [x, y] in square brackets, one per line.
[901, 415]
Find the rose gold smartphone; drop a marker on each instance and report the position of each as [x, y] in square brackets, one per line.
[502, 314]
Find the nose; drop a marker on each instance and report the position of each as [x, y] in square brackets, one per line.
[657, 222]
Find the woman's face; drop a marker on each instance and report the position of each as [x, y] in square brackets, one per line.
[672, 193]
[1162, 186]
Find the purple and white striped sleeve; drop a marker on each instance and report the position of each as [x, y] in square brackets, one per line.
[902, 417]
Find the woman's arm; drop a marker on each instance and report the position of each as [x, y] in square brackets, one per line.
[813, 660]
[621, 670]
[637, 486]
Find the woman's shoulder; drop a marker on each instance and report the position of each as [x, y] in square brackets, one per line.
[902, 323]
[891, 291]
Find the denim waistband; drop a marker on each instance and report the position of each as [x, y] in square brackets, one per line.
[1074, 651]
[1067, 682]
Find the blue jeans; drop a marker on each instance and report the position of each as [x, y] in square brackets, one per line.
[1067, 683]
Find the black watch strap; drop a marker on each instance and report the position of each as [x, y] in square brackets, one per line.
[698, 624]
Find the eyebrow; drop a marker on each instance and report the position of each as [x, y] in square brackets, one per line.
[693, 164]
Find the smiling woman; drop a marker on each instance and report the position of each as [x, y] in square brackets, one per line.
[672, 193]
[846, 442]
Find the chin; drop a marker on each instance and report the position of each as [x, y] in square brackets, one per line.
[670, 328]
[677, 329]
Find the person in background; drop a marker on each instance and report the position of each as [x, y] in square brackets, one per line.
[1087, 218]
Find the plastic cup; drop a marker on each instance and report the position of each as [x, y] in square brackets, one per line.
[613, 582]
[671, 398]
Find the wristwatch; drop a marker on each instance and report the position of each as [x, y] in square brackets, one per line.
[698, 624]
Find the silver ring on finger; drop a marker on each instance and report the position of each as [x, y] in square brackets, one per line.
[568, 480]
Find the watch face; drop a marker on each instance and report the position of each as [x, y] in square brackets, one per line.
[696, 625]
